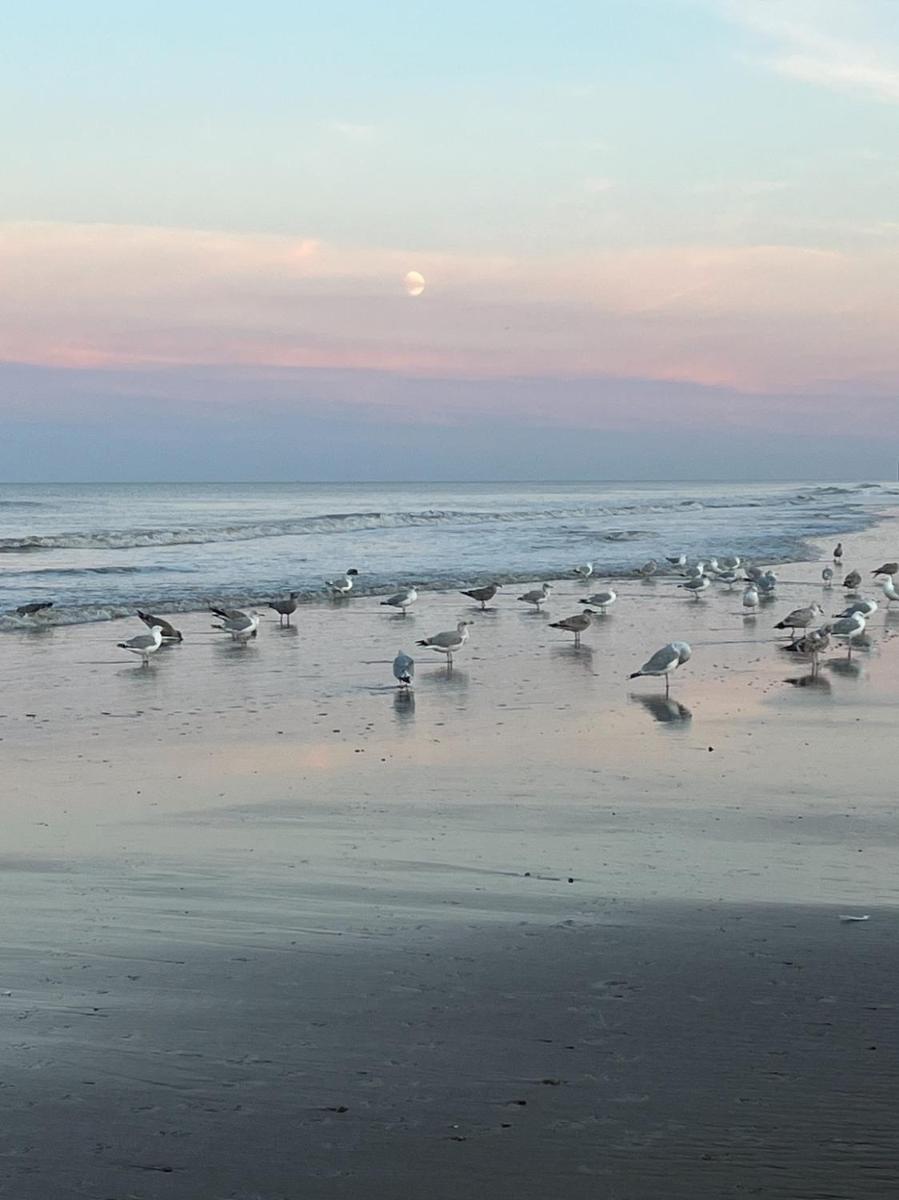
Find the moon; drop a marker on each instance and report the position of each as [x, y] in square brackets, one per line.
[414, 282]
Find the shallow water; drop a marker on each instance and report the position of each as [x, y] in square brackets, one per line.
[99, 551]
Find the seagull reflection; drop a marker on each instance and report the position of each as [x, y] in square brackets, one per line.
[443, 677]
[663, 708]
[847, 667]
[581, 655]
[815, 680]
[403, 704]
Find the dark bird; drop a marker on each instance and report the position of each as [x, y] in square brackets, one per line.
[575, 624]
[838, 552]
[483, 594]
[852, 580]
[285, 607]
[887, 569]
[36, 606]
[169, 632]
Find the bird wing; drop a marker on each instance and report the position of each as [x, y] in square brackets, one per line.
[663, 660]
[142, 642]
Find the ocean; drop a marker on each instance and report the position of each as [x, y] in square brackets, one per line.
[99, 551]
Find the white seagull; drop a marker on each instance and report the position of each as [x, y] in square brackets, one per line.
[697, 585]
[800, 618]
[847, 628]
[889, 589]
[664, 661]
[601, 600]
[585, 571]
[866, 607]
[144, 644]
[342, 587]
[448, 642]
[404, 669]
[677, 560]
[751, 598]
[538, 595]
[402, 600]
[827, 577]
[242, 626]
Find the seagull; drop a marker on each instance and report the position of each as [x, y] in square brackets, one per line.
[664, 661]
[811, 643]
[342, 587]
[483, 594]
[169, 632]
[32, 609]
[694, 571]
[538, 595]
[402, 600]
[887, 569]
[404, 669]
[601, 600]
[767, 582]
[852, 580]
[731, 562]
[847, 628]
[838, 552]
[449, 642]
[889, 589]
[727, 577]
[800, 618]
[144, 644]
[242, 626]
[751, 598]
[585, 571]
[752, 572]
[827, 577]
[696, 585]
[677, 560]
[285, 607]
[648, 569]
[866, 607]
[575, 624]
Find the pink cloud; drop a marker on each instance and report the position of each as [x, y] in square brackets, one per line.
[757, 318]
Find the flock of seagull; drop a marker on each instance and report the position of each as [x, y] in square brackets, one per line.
[808, 637]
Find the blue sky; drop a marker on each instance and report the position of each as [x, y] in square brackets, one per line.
[695, 192]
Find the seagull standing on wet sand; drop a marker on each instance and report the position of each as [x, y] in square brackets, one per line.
[889, 590]
[538, 595]
[800, 618]
[890, 568]
[402, 600]
[404, 669]
[838, 552]
[144, 644]
[242, 626]
[601, 600]
[483, 594]
[847, 629]
[697, 585]
[827, 577]
[664, 661]
[751, 598]
[448, 642]
[342, 587]
[811, 643]
[285, 607]
[852, 581]
[576, 624]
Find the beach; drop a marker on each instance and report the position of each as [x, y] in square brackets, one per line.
[274, 930]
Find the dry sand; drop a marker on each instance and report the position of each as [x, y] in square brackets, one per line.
[271, 931]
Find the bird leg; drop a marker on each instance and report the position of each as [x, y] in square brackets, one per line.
[667, 685]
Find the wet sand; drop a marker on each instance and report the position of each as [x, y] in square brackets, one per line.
[273, 931]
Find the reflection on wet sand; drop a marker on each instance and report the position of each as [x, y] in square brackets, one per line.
[849, 668]
[581, 656]
[815, 680]
[404, 705]
[663, 708]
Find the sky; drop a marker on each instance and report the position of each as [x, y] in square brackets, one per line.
[659, 240]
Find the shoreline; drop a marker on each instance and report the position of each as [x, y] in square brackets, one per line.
[272, 929]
